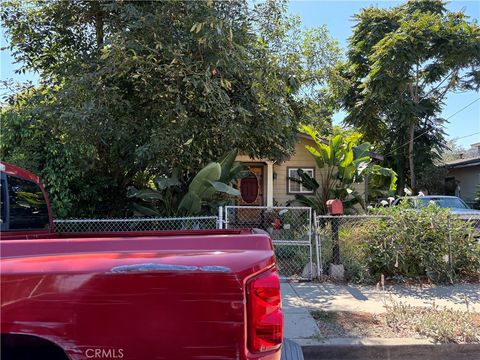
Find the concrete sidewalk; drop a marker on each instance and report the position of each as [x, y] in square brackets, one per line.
[299, 298]
[333, 297]
[298, 323]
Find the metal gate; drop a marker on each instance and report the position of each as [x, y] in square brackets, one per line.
[290, 229]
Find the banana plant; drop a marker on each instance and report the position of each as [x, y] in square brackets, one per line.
[203, 188]
[174, 197]
[342, 162]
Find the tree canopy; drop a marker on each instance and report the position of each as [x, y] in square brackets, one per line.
[402, 62]
[129, 90]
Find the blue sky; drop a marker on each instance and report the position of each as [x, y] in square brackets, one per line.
[337, 15]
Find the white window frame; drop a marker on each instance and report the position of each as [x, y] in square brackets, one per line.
[293, 170]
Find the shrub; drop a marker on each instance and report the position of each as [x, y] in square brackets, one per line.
[426, 241]
[408, 242]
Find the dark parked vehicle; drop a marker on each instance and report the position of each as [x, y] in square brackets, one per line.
[455, 204]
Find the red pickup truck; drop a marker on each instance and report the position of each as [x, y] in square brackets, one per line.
[138, 295]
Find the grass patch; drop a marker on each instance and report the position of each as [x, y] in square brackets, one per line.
[441, 325]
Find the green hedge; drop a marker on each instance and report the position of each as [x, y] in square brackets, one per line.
[410, 243]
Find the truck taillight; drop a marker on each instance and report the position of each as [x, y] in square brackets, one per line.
[264, 309]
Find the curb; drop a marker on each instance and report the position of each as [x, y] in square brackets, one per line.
[372, 349]
[362, 341]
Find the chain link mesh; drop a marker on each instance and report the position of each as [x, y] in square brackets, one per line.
[136, 224]
[471, 219]
[290, 230]
[338, 237]
[333, 232]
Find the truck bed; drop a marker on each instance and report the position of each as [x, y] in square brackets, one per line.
[145, 295]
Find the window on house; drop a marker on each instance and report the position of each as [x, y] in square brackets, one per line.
[295, 187]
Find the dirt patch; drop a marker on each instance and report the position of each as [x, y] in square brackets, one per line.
[358, 324]
[435, 325]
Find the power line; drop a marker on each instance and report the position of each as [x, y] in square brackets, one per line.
[423, 133]
[473, 102]
[463, 137]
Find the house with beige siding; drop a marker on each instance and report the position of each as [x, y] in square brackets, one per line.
[268, 183]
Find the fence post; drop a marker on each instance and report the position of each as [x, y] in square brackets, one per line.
[220, 218]
[317, 245]
[336, 244]
[225, 217]
[450, 263]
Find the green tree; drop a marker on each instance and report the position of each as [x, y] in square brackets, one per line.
[311, 55]
[136, 89]
[454, 151]
[402, 62]
[30, 141]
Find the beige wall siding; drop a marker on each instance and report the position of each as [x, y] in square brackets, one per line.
[468, 178]
[301, 158]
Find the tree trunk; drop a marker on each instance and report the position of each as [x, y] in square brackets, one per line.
[413, 180]
[400, 169]
[98, 16]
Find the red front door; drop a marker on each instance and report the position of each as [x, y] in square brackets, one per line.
[251, 187]
[251, 194]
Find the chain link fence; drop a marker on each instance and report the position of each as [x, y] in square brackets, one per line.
[440, 247]
[136, 224]
[336, 237]
[301, 241]
[290, 229]
[471, 219]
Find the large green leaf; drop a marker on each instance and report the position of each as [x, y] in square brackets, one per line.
[326, 154]
[312, 132]
[224, 188]
[190, 203]
[347, 158]
[144, 194]
[306, 180]
[227, 164]
[348, 174]
[362, 165]
[362, 150]
[361, 161]
[199, 184]
[335, 142]
[313, 151]
[378, 174]
[145, 210]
